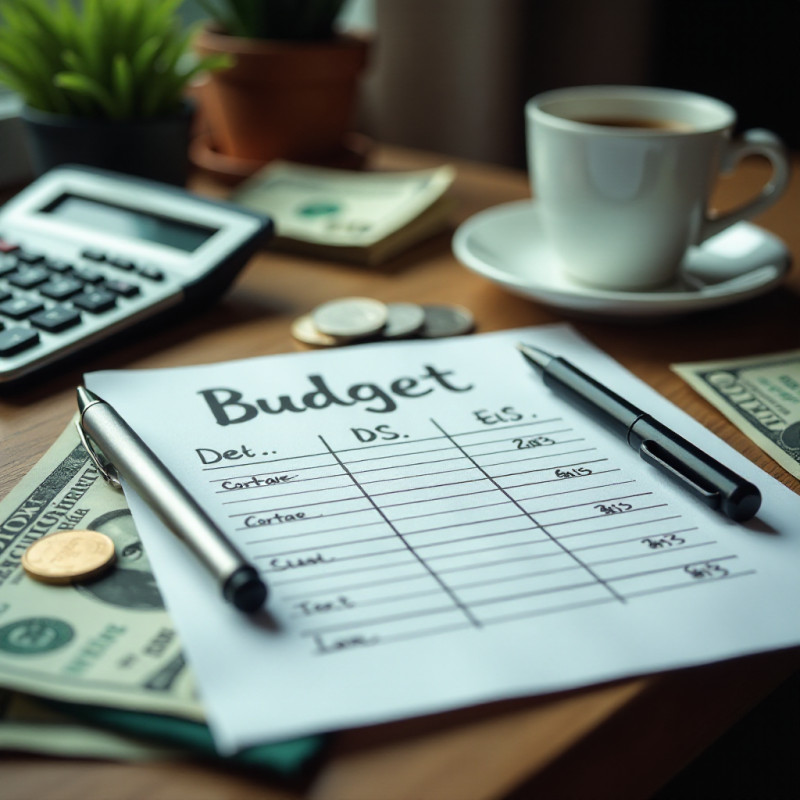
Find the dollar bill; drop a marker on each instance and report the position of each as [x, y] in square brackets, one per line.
[108, 642]
[30, 726]
[760, 395]
[357, 216]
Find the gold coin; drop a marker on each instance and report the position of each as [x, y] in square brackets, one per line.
[67, 556]
[304, 330]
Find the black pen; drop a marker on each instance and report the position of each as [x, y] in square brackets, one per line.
[128, 455]
[715, 484]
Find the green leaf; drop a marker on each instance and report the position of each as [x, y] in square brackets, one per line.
[144, 58]
[122, 86]
[210, 63]
[83, 84]
[90, 38]
[20, 84]
[30, 64]
[97, 57]
[42, 19]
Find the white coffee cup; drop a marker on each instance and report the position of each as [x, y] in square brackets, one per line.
[621, 176]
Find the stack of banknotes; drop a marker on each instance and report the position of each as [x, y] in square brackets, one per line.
[363, 217]
[95, 669]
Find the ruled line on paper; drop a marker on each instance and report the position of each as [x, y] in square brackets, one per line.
[383, 479]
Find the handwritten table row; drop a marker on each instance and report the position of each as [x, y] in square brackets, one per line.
[411, 537]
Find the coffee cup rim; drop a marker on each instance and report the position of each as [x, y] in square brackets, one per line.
[702, 113]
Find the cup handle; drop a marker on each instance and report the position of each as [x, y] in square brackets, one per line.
[756, 141]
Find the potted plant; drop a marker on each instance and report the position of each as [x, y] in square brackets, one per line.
[292, 89]
[103, 82]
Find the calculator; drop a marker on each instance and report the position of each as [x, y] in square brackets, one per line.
[86, 254]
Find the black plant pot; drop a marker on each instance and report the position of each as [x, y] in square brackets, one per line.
[155, 148]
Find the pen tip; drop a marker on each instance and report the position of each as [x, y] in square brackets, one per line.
[535, 355]
[245, 589]
[85, 397]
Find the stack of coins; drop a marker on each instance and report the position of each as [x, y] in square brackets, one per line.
[350, 320]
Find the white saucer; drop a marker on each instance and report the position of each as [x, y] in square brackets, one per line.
[506, 244]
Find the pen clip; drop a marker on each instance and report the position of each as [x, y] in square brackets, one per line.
[105, 469]
[659, 457]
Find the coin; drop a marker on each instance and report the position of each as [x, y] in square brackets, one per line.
[67, 556]
[404, 319]
[352, 317]
[304, 330]
[441, 321]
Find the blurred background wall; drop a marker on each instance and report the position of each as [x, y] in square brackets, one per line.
[453, 75]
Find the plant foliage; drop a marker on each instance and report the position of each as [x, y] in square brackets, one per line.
[119, 59]
[275, 19]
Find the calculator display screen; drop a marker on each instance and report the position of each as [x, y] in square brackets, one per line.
[130, 223]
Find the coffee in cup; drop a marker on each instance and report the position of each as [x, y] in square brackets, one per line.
[642, 123]
[622, 175]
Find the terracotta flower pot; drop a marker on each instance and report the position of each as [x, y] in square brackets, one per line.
[281, 99]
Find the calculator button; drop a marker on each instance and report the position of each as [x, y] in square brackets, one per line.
[122, 288]
[24, 257]
[28, 278]
[56, 319]
[61, 288]
[122, 263]
[58, 265]
[4, 295]
[95, 300]
[151, 273]
[88, 275]
[7, 268]
[94, 255]
[8, 247]
[14, 340]
[20, 307]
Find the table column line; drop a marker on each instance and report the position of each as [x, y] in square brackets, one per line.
[445, 588]
[531, 517]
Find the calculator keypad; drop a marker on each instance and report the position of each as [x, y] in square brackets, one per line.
[50, 304]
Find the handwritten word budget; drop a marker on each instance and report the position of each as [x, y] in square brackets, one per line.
[438, 529]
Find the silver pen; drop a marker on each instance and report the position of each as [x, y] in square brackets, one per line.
[102, 428]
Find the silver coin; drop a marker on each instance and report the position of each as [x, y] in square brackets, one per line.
[351, 317]
[405, 319]
[441, 321]
[304, 330]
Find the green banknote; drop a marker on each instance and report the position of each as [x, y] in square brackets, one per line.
[364, 217]
[760, 395]
[107, 642]
[29, 725]
[33, 725]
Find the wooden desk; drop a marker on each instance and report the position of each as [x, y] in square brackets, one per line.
[617, 741]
